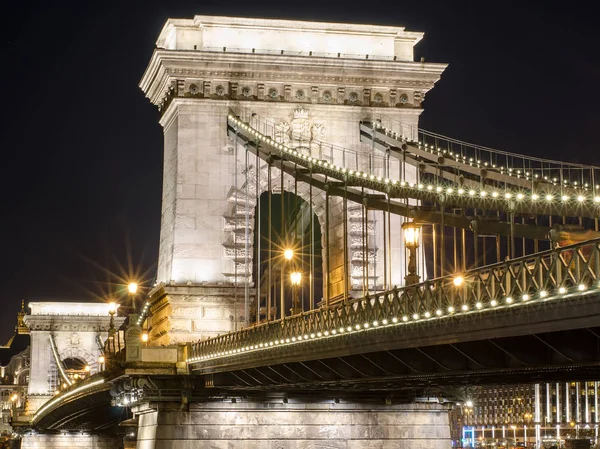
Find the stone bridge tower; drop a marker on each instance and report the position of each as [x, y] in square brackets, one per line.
[62, 331]
[313, 82]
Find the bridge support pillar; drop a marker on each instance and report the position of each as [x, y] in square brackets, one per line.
[69, 441]
[254, 425]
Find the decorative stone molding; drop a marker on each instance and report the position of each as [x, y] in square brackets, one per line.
[206, 89]
[287, 92]
[260, 91]
[393, 94]
[366, 97]
[341, 95]
[314, 91]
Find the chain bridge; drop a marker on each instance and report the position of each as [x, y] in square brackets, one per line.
[420, 263]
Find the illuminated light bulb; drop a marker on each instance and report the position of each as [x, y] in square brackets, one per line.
[349, 329]
[508, 196]
[457, 281]
[306, 337]
[293, 338]
[543, 293]
[366, 325]
[564, 198]
[509, 300]
[421, 186]
[405, 318]
[483, 193]
[333, 332]
[525, 297]
[465, 307]
[520, 196]
[479, 305]
[535, 197]
[429, 187]
[416, 316]
[326, 333]
[450, 190]
[357, 327]
[581, 198]
[461, 191]
[493, 303]
[495, 194]
[438, 189]
[438, 312]
[549, 197]
[451, 309]
[394, 320]
[312, 335]
[597, 199]
[562, 290]
[427, 314]
[375, 323]
[581, 287]
[472, 192]
[384, 321]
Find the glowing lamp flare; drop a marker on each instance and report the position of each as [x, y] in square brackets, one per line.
[296, 277]
[288, 254]
[411, 233]
[132, 287]
[112, 307]
[101, 359]
[458, 281]
[145, 337]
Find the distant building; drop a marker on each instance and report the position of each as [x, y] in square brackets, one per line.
[14, 375]
[511, 415]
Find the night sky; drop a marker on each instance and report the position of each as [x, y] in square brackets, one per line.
[82, 149]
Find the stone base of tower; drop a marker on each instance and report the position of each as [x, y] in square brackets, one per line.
[184, 313]
[286, 426]
[69, 441]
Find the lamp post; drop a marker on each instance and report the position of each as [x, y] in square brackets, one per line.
[288, 256]
[112, 309]
[411, 231]
[132, 288]
[296, 278]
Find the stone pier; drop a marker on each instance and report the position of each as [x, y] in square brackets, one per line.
[255, 425]
[69, 441]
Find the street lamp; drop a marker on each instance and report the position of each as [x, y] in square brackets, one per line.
[411, 231]
[296, 278]
[132, 287]
[288, 254]
[112, 309]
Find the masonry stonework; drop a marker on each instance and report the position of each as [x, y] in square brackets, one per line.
[292, 426]
[311, 83]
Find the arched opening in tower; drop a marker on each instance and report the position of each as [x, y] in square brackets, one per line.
[287, 263]
[76, 368]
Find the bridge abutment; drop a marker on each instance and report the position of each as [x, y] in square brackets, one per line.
[254, 425]
[69, 441]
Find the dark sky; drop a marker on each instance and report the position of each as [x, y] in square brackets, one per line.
[82, 150]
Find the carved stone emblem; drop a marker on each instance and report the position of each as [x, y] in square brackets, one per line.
[75, 340]
[300, 132]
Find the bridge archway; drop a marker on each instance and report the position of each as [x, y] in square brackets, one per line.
[65, 339]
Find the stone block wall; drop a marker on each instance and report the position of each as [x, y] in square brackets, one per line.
[69, 441]
[295, 426]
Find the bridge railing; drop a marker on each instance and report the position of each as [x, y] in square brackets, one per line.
[559, 173]
[301, 53]
[371, 162]
[550, 275]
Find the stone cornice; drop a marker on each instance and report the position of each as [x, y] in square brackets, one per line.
[170, 113]
[70, 323]
[169, 65]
